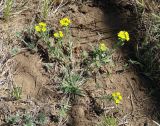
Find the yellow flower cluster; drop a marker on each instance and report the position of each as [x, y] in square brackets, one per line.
[58, 35]
[117, 97]
[65, 22]
[124, 35]
[41, 27]
[103, 47]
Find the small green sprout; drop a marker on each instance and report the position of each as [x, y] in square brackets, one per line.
[64, 108]
[13, 119]
[109, 121]
[14, 51]
[7, 9]
[16, 93]
[28, 120]
[41, 119]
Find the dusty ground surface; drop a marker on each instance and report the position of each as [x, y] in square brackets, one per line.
[90, 24]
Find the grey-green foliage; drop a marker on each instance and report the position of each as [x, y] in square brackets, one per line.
[30, 45]
[101, 58]
[109, 121]
[14, 51]
[71, 83]
[28, 120]
[30, 124]
[13, 119]
[41, 119]
[64, 109]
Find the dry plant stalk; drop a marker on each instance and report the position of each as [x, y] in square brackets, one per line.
[7, 9]
[45, 8]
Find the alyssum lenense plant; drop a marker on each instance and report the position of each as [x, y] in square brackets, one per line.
[42, 32]
[57, 50]
[101, 55]
[117, 97]
[59, 36]
[7, 9]
[65, 24]
[123, 36]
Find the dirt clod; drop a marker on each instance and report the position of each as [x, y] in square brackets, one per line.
[28, 74]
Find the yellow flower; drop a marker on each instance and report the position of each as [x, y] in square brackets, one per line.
[65, 22]
[61, 34]
[120, 97]
[117, 97]
[44, 29]
[124, 35]
[37, 28]
[41, 27]
[118, 93]
[117, 101]
[103, 47]
[42, 24]
[58, 35]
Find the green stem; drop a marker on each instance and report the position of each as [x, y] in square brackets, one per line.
[68, 33]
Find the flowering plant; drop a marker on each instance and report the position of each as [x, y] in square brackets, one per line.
[65, 22]
[41, 27]
[123, 36]
[117, 97]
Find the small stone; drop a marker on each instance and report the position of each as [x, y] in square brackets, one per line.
[73, 8]
[84, 9]
[11, 106]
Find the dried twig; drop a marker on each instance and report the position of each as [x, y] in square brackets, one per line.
[156, 123]
[132, 89]
[132, 104]
[1, 6]
[60, 5]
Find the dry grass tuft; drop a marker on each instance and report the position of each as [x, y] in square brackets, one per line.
[148, 50]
